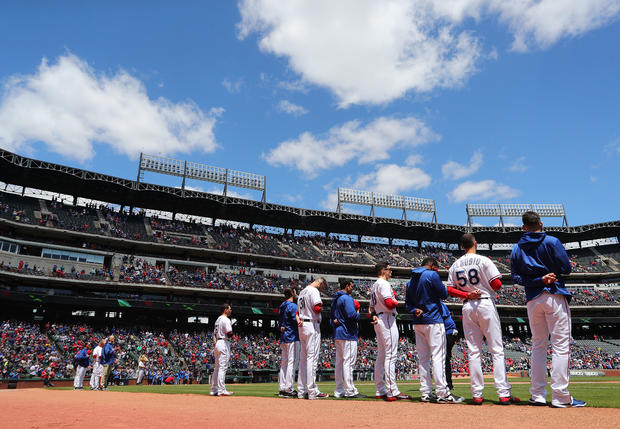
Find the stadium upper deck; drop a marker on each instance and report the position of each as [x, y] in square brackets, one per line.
[38, 174]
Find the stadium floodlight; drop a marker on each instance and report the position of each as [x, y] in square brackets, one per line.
[514, 210]
[380, 199]
[197, 171]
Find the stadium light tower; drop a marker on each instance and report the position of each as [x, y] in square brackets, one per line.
[379, 199]
[514, 210]
[207, 173]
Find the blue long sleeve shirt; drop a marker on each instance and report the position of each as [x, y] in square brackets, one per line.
[107, 357]
[343, 309]
[287, 319]
[447, 319]
[535, 255]
[82, 359]
[425, 291]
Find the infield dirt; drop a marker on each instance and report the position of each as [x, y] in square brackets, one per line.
[39, 408]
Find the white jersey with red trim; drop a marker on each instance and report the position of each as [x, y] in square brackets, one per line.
[308, 298]
[380, 291]
[472, 271]
[222, 328]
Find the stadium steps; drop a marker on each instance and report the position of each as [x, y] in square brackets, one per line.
[147, 227]
[59, 347]
[102, 222]
[117, 261]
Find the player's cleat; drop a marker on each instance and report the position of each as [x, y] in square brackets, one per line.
[479, 400]
[450, 399]
[303, 395]
[574, 404]
[356, 396]
[536, 403]
[381, 396]
[283, 394]
[401, 396]
[390, 398]
[213, 394]
[507, 400]
[226, 393]
[322, 396]
[431, 397]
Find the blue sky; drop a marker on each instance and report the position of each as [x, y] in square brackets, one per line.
[461, 101]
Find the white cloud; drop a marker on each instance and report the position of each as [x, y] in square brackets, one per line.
[69, 106]
[385, 178]
[393, 179]
[350, 141]
[234, 87]
[294, 85]
[482, 190]
[455, 171]
[519, 165]
[366, 51]
[291, 108]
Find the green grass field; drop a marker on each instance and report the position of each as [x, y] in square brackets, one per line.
[594, 390]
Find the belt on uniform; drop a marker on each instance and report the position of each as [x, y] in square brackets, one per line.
[222, 338]
[385, 312]
[307, 320]
[476, 299]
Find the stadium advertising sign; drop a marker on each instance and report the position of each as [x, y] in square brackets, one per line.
[586, 373]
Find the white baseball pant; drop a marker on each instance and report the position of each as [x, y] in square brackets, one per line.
[387, 350]
[310, 346]
[346, 355]
[140, 376]
[550, 314]
[430, 342]
[222, 356]
[480, 318]
[95, 377]
[289, 363]
[80, 372]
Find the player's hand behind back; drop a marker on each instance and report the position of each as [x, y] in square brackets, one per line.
[474, 294]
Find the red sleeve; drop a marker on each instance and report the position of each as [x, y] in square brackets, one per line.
[318, 308]
[356, 304]
[390, 303]
[496, 284]
[452, 291]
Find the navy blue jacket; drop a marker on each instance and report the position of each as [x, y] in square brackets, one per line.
[286, 318]
[107, 357]
[535, 255]
[447, 319]
[82, 359]
[343, 309]
[425, 291]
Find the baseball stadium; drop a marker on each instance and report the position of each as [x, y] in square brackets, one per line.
[85, 255]
[310, 214]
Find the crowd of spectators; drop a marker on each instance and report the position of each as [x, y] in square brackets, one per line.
[138, 270]
[178, 357]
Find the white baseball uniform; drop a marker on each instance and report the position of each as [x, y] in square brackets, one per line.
[221, 354]
[80, 372]
[472, 271]
[310, 341]
[387, 338]
[97, 374]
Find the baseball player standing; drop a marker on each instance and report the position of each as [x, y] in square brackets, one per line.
[451, 337]
[423, 299]
[107, 360]
[289, 343]
[475, 278]
[309, 322]
[221, 334]
[82, 361]
[538, 262]
[383, 311]
[141, 368]
[97, 374]
[344, 318]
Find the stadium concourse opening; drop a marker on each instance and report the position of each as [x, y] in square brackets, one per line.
[75, 266]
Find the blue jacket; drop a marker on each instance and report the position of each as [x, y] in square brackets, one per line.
[447, 319]
[107, 357]
[343, 309]
[535, 255]
[82, 359]
[425, 291]
[286, 318]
